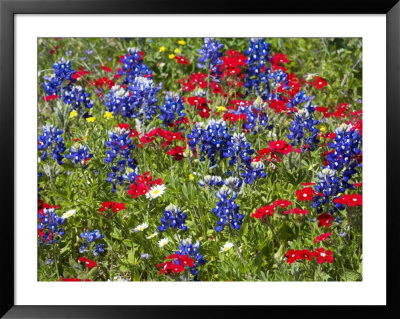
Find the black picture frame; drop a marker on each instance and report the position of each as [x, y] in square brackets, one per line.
[9, 8]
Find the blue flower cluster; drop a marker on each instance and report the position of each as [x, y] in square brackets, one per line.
[211, 52]
[233, 183]
[143, 98]
[76, 96]
[257, 58]
[213, 140]
[49, 226]
[334, 179]
[256, 117]
[329, 185]
[210, 181]
[51, 140]
[138, 102]
[79, 155]
[133, 66]
[192, 250]
[253, 172]
[173, 218]
[172, 110]
[62, 71]
[303, 128]
[90, 238]
[119, 148]
[227, 210]
[345, 145]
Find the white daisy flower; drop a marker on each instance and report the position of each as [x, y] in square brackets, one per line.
[156, 191]
[141, 227]
[163, 242]
[68, 214]
[226, 247]
[152, 235]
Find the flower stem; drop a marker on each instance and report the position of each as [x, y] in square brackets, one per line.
[235, 244]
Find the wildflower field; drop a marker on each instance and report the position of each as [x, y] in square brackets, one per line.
[185, 159]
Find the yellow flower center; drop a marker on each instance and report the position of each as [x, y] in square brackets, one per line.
[156, 191]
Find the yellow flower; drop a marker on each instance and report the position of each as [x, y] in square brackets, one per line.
[73, 114]
[91, 119]
[108, 115]
[177, 51]
[220, 108]
[85, 138]
[162, 49]
[171, 56]
[322, 128]
[191, 177]
[181, 42]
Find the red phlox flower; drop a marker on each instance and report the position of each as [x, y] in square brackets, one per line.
[177, 152]
[323, 255]
[305, 193]
[105, 68]
[296, 211]
[293, 255]
[280, 146]
[350, 200]
[282, 203]
[263, 211]
[50, 97]
[89, 263]
[322, 237]
[278, 105]
[279, 58]
[115, 206]
[319, 83]
[325, 219]
[79, 73]
[182, 60]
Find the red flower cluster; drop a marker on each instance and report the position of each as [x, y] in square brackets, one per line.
[294, 255]
[263, 211]
[142, 184]
[350, 200]
[201, 105]
[232, 67]
[177, 152]
[341, 110]
[182, 60]
[116, 207]
[175, 264]
[296, 211]
[305, 193]
[195, 80]
[79, 73]
[89, 263]
[279, 58]
[159, 132]
[325, 219]
[233, 118]
[324, 110]
[100, 82]
[319, 83]
[322, 237]
[321, 255]
[278, 105]
[281, 203]
[280, 146]
[105, 68]
[50, 97]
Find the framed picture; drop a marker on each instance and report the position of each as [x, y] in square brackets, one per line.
[177, 148]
